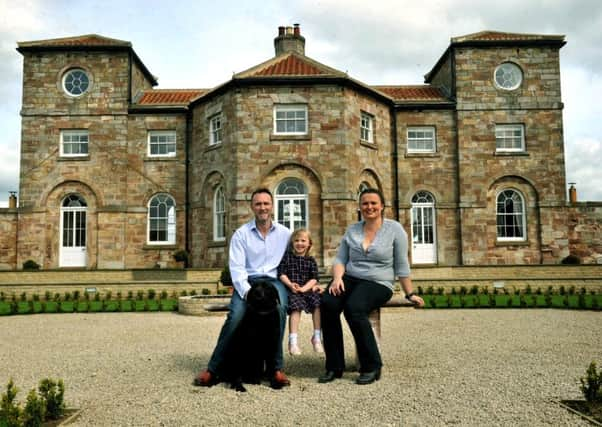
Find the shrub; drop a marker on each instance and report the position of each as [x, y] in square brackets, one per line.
[205, 291]
[453, 291]
[35, 411]
[57, 297]
[222, 291]
[119, 295]
[108, 295]
[163, 294]
[30, 264]
[571, 259]
[591, 384]
[420, 291]
[225, 277]
[76, 295]
[561, 290]
[193, 292]
[47, 295]
[474, 290]
[571, 290]
[96, 296]
[528, 290]
[52, 393]
[183, 293]
[10, 411]
[182, 256]
[151, 294]
[485, 290]
[430, 290]
[140, 295]
[463, 290]
[35, 297]
[538, 291]
[130, 294]
[2, 296]
[23, 296]
[67, 296]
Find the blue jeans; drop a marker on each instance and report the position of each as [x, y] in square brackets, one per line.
[236, 313]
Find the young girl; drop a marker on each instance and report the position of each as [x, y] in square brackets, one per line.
[299, 272]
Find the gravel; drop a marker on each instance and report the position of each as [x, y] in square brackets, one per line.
[501, 367]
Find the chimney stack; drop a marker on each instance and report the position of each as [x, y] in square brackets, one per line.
[12, 199]
[289, 40]
[572, 193]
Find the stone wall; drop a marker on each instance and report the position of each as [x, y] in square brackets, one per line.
[8, 238]
[585, 231]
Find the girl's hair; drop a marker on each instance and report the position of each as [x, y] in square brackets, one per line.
[296, 234]
[378, 193]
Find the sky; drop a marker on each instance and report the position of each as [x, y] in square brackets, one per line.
[200, 44]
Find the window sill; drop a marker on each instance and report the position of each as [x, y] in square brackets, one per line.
[286, 137]
[212, 147]
[511, 154]
[367, 144]
[74, 158]
[425, 154]
[160, 159]
[217, 244]
[503, 243]
[159, 246]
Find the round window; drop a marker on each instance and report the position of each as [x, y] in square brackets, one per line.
[508, 76]
[76, 82]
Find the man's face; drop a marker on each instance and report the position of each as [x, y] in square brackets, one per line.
[262, 207]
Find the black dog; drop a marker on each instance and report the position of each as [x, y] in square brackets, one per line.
[252, 351]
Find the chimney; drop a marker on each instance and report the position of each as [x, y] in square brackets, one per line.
[289, 40]
[572, 193]
[12, 199]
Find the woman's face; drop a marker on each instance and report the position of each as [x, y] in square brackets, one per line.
[371, 206]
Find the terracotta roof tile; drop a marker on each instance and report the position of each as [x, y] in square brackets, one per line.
[413, 93]
[169, 96]
[290, 65]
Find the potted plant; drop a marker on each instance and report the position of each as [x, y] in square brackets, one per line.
[181, 256]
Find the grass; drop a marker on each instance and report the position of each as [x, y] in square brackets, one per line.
[71, 306]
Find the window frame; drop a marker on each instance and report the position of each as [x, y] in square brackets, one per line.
[432, 129]
[215, 133]
[302, 198]
[219, 215]
[366, 130]
[159, 133]
[290, 108]
[71, 133]
[506, 127]
[521, 215]
[170, 222]
[68, 73]
[515, 68]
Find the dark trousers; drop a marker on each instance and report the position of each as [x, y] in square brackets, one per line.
[356, 303]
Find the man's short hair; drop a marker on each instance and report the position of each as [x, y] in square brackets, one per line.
[262, 190]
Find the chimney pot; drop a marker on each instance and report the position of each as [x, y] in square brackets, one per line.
[572, 193]
[281, 31]
[12, 199]
[296, 30]
[289, 40]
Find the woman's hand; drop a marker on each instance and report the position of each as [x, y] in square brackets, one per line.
[337, 287]
[416, 300]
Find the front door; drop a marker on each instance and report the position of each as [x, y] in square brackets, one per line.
[73, 232]
[424, 248]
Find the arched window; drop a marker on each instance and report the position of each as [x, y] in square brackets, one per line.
[291, 204]
[219, 215]
[510, 215]
[162, 220]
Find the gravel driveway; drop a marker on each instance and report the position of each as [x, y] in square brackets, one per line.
[499, 367]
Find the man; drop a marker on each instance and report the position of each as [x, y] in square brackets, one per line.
[255, 252]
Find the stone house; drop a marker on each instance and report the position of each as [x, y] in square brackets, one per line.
[116, 174]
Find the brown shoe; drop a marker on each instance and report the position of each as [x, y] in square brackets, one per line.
[279, 380]
[205, 378]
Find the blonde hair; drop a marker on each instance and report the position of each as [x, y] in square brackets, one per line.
[296, 234]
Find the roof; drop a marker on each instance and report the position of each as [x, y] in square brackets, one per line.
[423, 93]
[164, 97]
[496, 36]
[497, 39]
[85, 42]
[290, 64]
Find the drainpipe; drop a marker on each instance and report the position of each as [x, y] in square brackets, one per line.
[395, 163]
[186, 181]
[457, 140]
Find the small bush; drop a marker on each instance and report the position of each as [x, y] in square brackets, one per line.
[30, 264]
[57, 297]
[420, 291]
[52, 393]
[193, 292]
[35, 410]
[130, 295]
[205, 291]
[67, 296]
[474, 290]
[47, 296]
[108, 296]
[35, 297]
[10, 412]
[591, 384]
[463, 290]
[163, 294]
[23, 296]
[151, 294]
[561, 290]
[571, 259]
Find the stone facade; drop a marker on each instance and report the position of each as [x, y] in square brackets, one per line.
[118, 178]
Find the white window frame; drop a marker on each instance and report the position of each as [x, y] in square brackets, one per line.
[71, 133]
[162, 134]
[169, 218]
[522, 216]
[215, 129]
[287, 109]
[78, 87]
[422, 139]
[505, 133]
[219, 215]
[294, 193]
[366, 127]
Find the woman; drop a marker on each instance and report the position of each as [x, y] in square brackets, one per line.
[372, 254]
